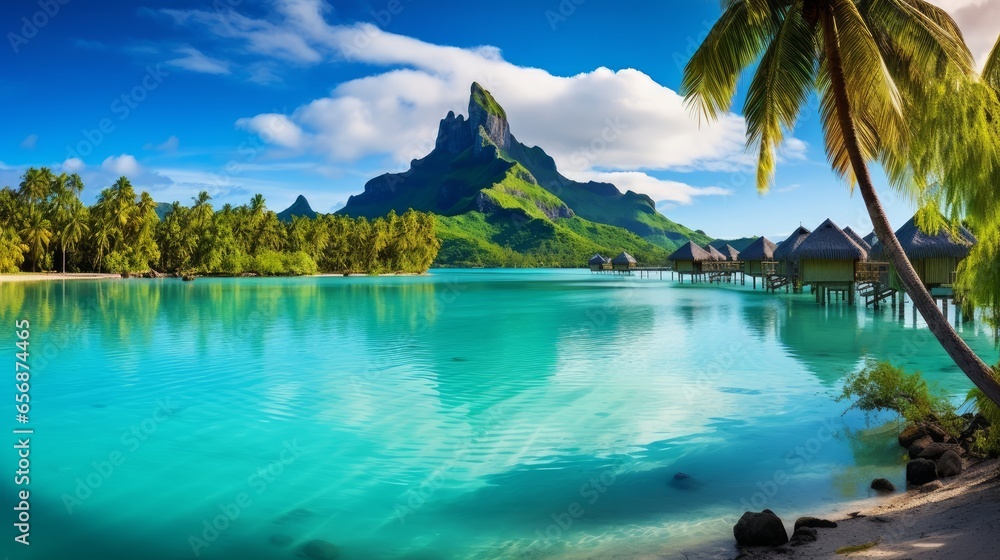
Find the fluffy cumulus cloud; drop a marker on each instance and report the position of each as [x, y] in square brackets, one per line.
[124, 164]
[593, 124]
[73, 165]
[979, 21]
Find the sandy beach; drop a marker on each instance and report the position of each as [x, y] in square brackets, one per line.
[958, 520]
[43, 276]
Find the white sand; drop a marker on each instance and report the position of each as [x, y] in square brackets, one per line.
[48, 276]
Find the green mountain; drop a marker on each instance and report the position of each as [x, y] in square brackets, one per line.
[739, 244]
[298, 208]
[501, 202]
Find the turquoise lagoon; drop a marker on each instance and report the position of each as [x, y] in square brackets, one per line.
[462, 414]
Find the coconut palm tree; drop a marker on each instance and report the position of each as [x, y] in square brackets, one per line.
[869, 62]
[73, 231]
[36, 184]
[36, 233]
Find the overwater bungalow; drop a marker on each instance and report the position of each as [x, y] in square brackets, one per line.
[828, 260]
[624, 262]
[729, 252]
[786, 266]
[935, 256]
[688, 260]
[714, 254]
[754, 256]
[598, 263]
[858, 239]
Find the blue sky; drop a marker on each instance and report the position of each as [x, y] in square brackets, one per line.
[284, 97]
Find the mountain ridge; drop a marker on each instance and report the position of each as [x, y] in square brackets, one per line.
[478, 165]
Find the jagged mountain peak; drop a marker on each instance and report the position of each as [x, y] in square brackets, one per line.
[478, 154]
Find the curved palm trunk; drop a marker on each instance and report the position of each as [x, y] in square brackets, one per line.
[967, 360]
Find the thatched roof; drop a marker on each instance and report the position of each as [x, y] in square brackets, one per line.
[919, 245]
[623, 258]
[785, 251]
[871, 239]
[730, 252]
[714, 254]
[762, 249]
[858, 239]
[690, 252]
[829, 243]
[598, 259]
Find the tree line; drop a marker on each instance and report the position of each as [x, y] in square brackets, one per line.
[45, 226]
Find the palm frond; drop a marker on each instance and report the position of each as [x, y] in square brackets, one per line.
[734, 43]
[991, 72]
[779, 88]
[876, 103]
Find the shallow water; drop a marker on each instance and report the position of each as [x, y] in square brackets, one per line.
[463, 414]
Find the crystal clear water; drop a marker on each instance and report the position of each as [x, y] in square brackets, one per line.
[463, 414]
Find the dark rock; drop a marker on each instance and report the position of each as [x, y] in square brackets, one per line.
[912, 433]
[681, 476]
[802, 536]
[814, 522]
[937, 433]
[320, 550]
[879, 519]
[454, 134]
[187, 277]
[918, 446]
[935, 450]
[883, 485]
[760, 529]
[920, 471]
[949, 464]
[281, 540]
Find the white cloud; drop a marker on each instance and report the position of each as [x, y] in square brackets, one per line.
[660, 190]
[979, 21]
[196, 61]
[73, 165]
[29, 142]
[600, 120]
[274, 129]
[124, 164]
[168, 145]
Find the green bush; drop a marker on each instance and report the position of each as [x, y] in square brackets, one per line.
[880, 386]
[268, 263]
[299, 263]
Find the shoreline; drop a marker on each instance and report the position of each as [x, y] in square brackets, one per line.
[51, 276]
[954, 520]
[54, 276]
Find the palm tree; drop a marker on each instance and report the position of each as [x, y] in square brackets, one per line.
[36, 233]
[36, 184]
[201, 211]
[73, 231]
[869, 61]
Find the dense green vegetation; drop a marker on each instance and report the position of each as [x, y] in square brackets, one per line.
[45, 226]
[881, 386]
